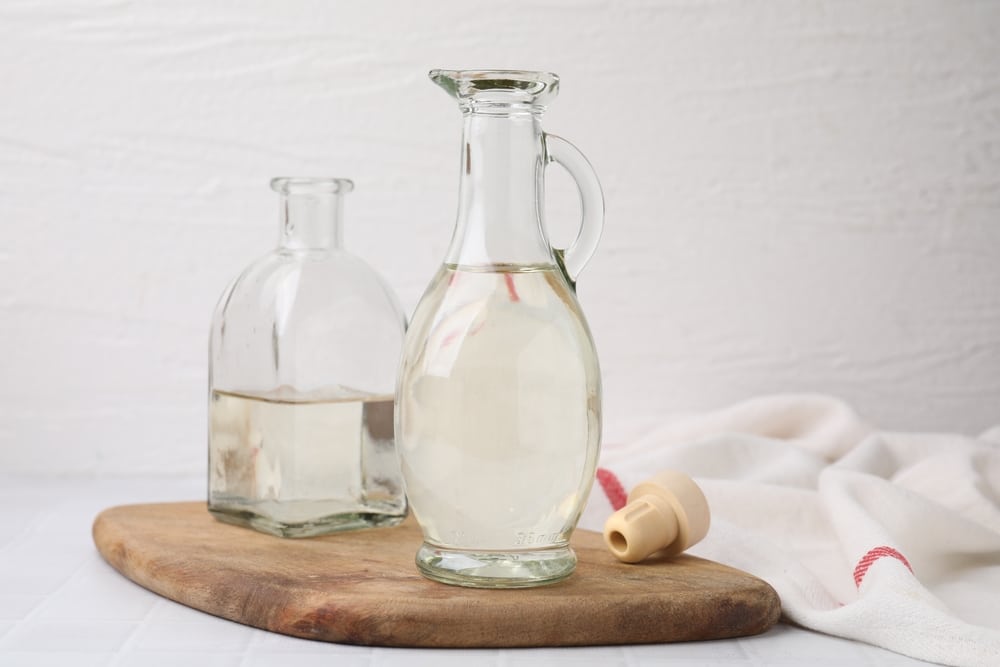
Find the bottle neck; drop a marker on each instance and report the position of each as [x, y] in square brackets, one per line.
[500, 191]
[311, 221]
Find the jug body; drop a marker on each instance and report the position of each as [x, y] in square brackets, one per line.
[499, 395]
[303, 352]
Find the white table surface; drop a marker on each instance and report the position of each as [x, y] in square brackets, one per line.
[61, 604]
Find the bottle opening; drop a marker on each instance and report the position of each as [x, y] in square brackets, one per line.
[307, 185]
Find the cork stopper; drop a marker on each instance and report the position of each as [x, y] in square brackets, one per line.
[667, 513]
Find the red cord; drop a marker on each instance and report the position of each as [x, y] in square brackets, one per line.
[613, 489]
[509, 279]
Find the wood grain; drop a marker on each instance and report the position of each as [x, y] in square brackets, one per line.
[363, 588]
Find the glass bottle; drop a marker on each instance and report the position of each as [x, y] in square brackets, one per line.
[498, 412]
[303, 355]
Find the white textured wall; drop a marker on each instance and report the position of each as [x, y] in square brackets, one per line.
[801, 195]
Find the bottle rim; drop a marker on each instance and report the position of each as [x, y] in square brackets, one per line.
[311, 185]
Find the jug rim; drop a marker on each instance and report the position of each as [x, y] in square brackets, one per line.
[512, 86]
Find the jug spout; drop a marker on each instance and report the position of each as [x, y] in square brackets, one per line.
[483, 90]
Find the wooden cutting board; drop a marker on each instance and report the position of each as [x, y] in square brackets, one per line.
[363, 588]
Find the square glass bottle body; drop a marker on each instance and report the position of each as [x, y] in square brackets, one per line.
[299, 465]
[303, 355]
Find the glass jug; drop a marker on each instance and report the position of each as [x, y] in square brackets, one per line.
[303, 356]
[498, 413]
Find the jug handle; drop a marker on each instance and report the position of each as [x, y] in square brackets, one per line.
[573, 259]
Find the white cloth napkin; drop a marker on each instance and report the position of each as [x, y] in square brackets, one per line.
[887, 538]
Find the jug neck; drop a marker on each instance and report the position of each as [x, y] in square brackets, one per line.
[311, 212]
[501, 189]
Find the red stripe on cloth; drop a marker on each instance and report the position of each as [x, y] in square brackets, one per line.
[613, 489]
[878, 552]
